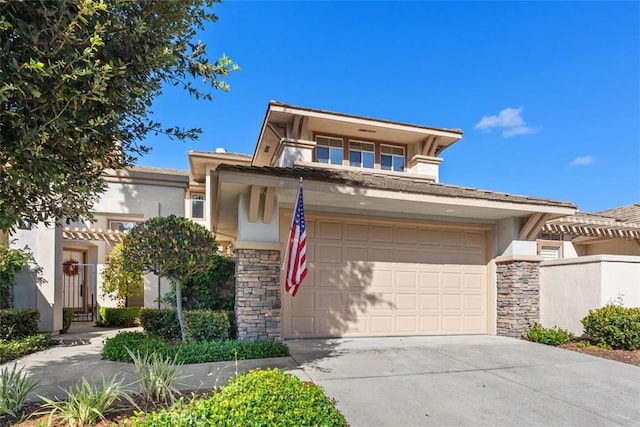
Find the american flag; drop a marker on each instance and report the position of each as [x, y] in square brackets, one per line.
[297, 253]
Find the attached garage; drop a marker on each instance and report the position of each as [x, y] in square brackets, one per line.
[372, 277]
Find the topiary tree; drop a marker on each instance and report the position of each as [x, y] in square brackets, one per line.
[118, 282]
[172, 247]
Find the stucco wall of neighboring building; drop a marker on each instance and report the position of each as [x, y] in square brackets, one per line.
[569, 288]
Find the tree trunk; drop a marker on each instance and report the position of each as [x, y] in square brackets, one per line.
[179, 309]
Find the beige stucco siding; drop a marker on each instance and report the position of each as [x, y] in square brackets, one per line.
[384, 278]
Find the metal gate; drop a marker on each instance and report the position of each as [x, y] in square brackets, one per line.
[79, 290]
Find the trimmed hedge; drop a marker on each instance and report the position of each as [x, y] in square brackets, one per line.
[19, 347]
[258, 398]
[18, 323]
[615, 326]
[199, 324]
[191, 351]
[123, 316]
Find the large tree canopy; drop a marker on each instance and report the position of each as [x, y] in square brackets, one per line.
[77, 80]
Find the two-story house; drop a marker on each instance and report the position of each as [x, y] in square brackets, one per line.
[390, 249]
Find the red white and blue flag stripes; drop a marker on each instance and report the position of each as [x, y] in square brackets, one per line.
[297, 250]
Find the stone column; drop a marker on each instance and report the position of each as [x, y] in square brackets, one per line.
[258, 294]
[518, 295]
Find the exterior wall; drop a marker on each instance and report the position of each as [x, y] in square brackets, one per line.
[610, 247]
[292, 154]
[46, 245]
[256, 231]
[571, 287]
[258, 298]
[138, 202]
[518, 296]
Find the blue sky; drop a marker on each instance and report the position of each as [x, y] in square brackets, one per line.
[547, 93]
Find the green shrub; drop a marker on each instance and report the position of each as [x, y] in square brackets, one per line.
[67, 319]
[258, 398]
[125, 316]
[207, 325]
[16, 348]
[549, 336]
[199, 324]
[15, 385]
[161, 322]
[615, 326]
[18, 322]
[211, 289]
[190, 352]
[138, 342]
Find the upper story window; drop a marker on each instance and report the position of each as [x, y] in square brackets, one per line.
[392, 158]
[197, 205]
[121, 225]
[329, 150]
[362, 154]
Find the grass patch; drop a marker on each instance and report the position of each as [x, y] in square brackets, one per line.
[258, 398]
[190, 352]
[15, 348]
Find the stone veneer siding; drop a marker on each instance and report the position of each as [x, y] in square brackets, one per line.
[258, 294]
[518, 297]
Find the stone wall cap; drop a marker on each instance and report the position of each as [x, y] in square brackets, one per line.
[515, 258]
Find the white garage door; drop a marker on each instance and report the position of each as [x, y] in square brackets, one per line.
[371, 278]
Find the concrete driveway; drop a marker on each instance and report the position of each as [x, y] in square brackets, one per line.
[468, 380]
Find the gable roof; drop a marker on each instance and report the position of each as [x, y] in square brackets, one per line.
[405, 183]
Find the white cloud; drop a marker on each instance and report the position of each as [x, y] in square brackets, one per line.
[582, 161]
[509, 120]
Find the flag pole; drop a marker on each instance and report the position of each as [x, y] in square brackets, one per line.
[293, 218]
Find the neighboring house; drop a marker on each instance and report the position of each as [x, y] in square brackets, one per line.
[391, 250]
[591, 260]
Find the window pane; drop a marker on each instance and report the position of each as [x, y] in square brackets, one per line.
[368, 159]
[355, 158]
[322, 154]
[336, 156]
[385, 162]
[398, 163]
[197, 208]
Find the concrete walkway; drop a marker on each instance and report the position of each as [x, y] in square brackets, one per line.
[469, 381]
[79, 355]
[412, 381]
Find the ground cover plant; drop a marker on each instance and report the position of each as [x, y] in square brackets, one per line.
[13, 349]
[550, 336]
[258, 398]
[191, 351]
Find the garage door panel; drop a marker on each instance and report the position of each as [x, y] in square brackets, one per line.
[329, 230]
[406, 302]
[357, 232]
[406, 279]
[329, 253]
[381, 234]
[406, 324]
[380, 254]
[407, 254]
[429, 302]
[369, 279]
[406, 236]
[356, 253]
[381, 278]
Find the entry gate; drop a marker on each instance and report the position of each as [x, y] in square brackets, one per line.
[79, 291]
